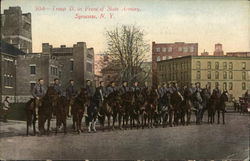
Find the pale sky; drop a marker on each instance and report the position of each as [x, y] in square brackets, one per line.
[199, 21]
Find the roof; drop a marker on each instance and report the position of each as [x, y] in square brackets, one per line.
[10, 49]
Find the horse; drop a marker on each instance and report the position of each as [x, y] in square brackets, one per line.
[92, 111]
[197, 102]
[177, 101]
[106, 109]
[61, 112]
[138, 108]
[221, 108]
[205, 94]
[48, 103]
[188, 105]
[164, 108]
[77, 109]
[117, 109]
[151, 107]
[127, 104]
[30, 108]
[212, 104]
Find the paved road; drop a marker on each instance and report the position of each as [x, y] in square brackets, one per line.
[230, 141]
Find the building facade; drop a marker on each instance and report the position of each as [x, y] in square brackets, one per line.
[231, 73]
[30, 68]
[77, 62]
[218, 50]
[164, 51]
[16, 28]
[9, 55]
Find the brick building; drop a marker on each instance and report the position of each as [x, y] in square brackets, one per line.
[231, 73]
[30, 68]
[164, 51]
[16, 28]
[9, 55]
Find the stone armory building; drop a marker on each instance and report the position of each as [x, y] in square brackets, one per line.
[16, 28]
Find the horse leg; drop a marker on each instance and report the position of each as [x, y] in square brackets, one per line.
[114, 120]
[223, 117]
[109, 122]
[218, 120]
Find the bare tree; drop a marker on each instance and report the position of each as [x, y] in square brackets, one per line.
[127, 49]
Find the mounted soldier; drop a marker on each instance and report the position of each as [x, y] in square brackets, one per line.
[90, 93]
[136, 89]
[57, 86]
[111, 88]
[197, 101]
[38, 92]
[217, 91]
[71, 93]
[124, 88]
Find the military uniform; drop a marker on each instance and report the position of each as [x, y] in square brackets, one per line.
[71, 91]
[217, 92]
[90, 91]
[111, 90]
[58, 88]
[136, 90]
[38, 91]
[124, 89]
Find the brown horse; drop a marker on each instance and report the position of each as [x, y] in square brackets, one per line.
[151, 107]
[177, 102]
[212, 104]
[221, 108]
[106, 110]
[77, 109]
[61, 112]
[127, 103]
[30, 108]
[48, 103]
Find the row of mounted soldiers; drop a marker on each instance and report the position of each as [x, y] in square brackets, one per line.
[99, 93]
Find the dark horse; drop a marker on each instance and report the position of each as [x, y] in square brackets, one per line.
[164, 108]
[221, 107]
[106, 110]
[77, 110]
[127, 103]
[61, 112]
[151, 107]
[212, 104]
[48, 102]
[30, 108]
[179, 112]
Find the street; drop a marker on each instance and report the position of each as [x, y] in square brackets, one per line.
[229, 141]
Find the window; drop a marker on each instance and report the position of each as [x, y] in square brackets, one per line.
[243, 86]
[158, 58]
[209, 84]
[180, 49]
[230, 65]
[230, 86]
[170, 49]
[185, 49]
[71, 65]
[243, 75]
[230, 75]
[209, 65]
[243, 65]
[60, 74]
[216, 65]
[89, 67]
[216, 83]
[225, 85]
[198, 65]
[164, 49]
[209, 75]
[191, 49]
[224, 65]
[198, 75]
[158, 50]
[224, 75]
[216, 75]
[164, 57]
[32, 69]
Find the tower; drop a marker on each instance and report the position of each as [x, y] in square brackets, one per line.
[218, 50]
